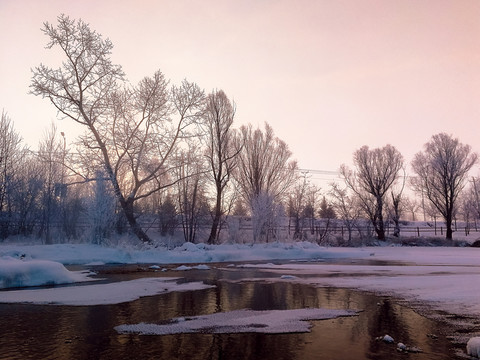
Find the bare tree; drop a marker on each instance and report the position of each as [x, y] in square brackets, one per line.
[264, 164]
[297, 205]
[264, 173]
[220, 152]
[475, 196]
[167, 214]
[395, 204]
[311, 205]
[442, 170]
[50, 152]
[26, 192]
[130, 131]
[191, 190]
[377, 171]
[412, 206]
[10, 152]
[346, 207]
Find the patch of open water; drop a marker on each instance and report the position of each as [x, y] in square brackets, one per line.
[87, 332]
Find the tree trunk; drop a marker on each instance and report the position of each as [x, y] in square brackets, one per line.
[396, 231]
[127, 206]
[216, 218]
[379, 229]
[448, 222]
[380, 233]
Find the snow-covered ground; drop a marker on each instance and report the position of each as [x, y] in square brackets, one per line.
[443, 278]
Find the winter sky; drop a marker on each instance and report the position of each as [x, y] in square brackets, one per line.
[329, 76]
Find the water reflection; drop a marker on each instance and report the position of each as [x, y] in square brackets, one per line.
[87, 332]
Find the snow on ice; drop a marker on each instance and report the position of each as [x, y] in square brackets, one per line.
[240, 321]
[99, 294]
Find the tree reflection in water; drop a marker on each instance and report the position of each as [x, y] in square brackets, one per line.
[87, 332]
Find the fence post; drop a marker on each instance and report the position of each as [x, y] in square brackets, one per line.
[418, 231]
[441, 230]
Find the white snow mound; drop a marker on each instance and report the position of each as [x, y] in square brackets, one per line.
[240, 321]
[16, 272]
[473, 347]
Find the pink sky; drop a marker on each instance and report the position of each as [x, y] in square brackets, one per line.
[329, 75]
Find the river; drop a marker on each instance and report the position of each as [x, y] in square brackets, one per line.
[87, 332]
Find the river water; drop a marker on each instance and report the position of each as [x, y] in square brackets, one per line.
[87, 332]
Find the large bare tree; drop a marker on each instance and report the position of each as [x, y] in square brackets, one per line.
[220, 151]
[376, 171]
[442, 169]
[264, 174]
[130, 131]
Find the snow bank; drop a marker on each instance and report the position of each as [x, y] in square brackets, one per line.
[444, 277]
[240, 321]
[26, 272]
[99, 294]
[198, 267]
[80, 254]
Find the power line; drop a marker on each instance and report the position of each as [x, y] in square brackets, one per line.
[319, 172]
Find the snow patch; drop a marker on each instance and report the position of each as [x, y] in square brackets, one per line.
[197, 267]
[100, 294]
[239, 321]
[22, 272]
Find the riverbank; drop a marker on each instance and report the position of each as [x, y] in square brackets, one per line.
[439, 282]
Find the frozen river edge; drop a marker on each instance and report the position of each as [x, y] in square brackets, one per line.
[440, 283]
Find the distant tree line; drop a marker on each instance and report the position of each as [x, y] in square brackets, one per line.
[156, 153]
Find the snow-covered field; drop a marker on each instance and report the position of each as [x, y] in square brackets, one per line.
[443, 278]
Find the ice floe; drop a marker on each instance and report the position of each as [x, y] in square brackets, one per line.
[239, 321]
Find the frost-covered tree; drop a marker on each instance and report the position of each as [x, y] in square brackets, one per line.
[376, 170]
[101, 209]
[265, 171]
[264, 164]
[131, 131]
[442, 169]
[266, 214]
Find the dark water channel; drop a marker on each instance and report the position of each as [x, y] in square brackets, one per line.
[87, 332]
